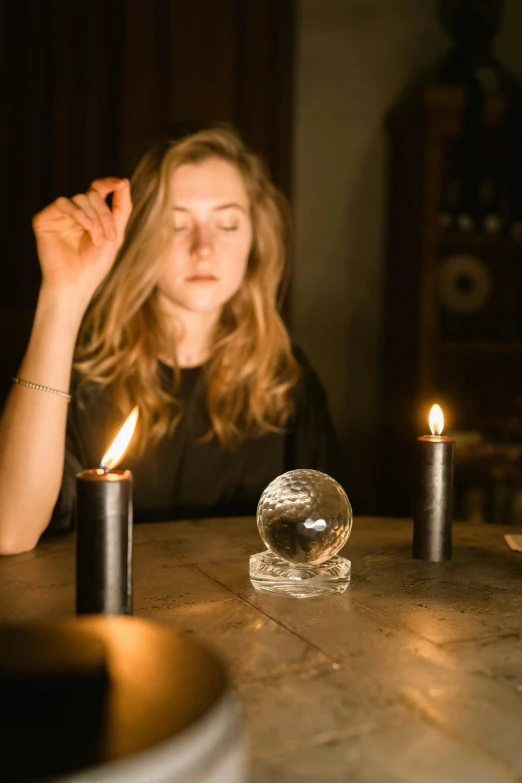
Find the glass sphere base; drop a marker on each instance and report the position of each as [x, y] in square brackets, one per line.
[272, 574]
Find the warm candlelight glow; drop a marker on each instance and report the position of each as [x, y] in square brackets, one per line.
[436, 420]
[118, 447]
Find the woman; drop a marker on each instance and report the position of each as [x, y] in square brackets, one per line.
[174, 297]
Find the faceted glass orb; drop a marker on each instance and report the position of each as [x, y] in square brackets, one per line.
[304, 516]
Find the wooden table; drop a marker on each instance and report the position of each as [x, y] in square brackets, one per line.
[414, 674]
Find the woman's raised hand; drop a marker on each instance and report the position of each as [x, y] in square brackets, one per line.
[78, 238]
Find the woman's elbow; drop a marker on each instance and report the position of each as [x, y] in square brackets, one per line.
[12, 543]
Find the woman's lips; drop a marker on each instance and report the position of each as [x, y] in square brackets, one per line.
[202, 279]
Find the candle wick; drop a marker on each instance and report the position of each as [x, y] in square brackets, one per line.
[105, 468]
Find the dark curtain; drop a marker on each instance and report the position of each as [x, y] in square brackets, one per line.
[85, 84]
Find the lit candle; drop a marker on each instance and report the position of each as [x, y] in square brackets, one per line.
[104, 532]
[433, 515]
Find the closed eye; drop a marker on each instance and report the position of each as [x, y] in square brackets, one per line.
[228, 228]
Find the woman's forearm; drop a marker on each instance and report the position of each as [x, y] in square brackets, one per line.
[33, 423]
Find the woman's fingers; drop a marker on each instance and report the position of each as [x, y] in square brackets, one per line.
[90, 211]
[83, 202]
[103, 214]
[122, 205]
[65, 208]
[106, 185]
[121, 199]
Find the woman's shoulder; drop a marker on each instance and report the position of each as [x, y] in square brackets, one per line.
[313, 441]
[300, 356]
[309, 387]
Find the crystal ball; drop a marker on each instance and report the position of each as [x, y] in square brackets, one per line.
[304, 516]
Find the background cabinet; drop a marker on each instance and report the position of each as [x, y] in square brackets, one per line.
[453, 300]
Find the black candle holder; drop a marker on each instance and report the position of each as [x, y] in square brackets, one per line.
[104, 542]
[433, 515]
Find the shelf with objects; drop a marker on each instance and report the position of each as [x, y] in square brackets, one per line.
[453, 286]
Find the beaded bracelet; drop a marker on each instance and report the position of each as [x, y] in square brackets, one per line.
[38, 387]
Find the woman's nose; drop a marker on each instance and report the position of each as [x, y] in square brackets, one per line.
[201, 242]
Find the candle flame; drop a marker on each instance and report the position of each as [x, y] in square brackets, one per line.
[436, 420]
[118, 447]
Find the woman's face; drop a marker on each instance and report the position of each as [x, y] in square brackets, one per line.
[211, 237]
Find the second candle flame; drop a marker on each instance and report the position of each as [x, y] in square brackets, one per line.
[436, 420]
[119, 445]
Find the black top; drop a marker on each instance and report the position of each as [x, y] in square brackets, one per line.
[181, 477]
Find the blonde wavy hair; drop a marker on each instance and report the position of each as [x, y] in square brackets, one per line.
[252, 369]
